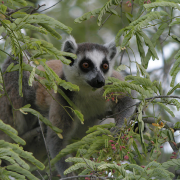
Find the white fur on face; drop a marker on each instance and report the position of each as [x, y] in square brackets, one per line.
[97, 57]
[76, 76]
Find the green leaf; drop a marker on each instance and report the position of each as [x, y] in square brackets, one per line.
[140, 47]
[154, 38]
[87, 16]
[170, 163]
[19, 14]
[161, 4]
[60, 91]
[127, 37]
[24, 154]
[144, 20]
[177, 125]
[22, 171]
[174, 74]
[69, 149]
[43, 19]
[176, 64]
[175, 102]
[43, 119]
[10, 67]
[121, 67]
[149, 44]
[12, 133]
[31, 77]
[173, 89]
[14, 174]
[136, 149]
[9, 152]
[75, 167]
[3, 8]
[176, 38]
[94, 128]
[119, 34]
[51, 31]
[166, 108]
[106, 8]
[112, 11]
[79, 115]
[33, 28]
[142, 70]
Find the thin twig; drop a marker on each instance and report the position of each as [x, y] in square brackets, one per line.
[107, 18]
[151, 120]
[50, 6]
[7, 54]
[121, 57]
[136, 104]
[121, 12]
[87, 164]
[46, 148]
[132, 5]
[35, 9]
[40, 174]
[11, 11]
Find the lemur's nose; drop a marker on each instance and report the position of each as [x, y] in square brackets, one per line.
[98, 81]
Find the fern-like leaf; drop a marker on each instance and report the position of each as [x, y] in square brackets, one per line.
[166, 108]
[75, 167]
[105, 8]
[24, 154]
[12, 133]
[161, 4]
[87, 16]
[173, 89]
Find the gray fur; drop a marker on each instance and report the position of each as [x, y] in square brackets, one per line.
[91, 103]
[22, 123]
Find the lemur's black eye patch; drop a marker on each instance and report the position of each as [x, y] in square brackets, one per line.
[105, 65]
[70, 58]
[86, 65]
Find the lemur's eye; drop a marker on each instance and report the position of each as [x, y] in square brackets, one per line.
[105, 66]
[85, 65]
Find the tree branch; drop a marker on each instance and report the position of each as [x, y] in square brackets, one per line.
[50, 6]
[35, 9]
[167, 124]
[11, 11]
[136, 104]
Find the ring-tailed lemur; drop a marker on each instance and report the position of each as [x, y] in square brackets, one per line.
[93, 65]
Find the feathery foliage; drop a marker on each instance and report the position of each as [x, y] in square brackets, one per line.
[105, 147]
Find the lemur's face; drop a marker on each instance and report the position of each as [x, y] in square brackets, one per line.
[93, 65]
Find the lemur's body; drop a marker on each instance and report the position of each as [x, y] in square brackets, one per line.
[93, 65]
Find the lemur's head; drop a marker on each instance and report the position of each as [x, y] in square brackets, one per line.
[93, 65]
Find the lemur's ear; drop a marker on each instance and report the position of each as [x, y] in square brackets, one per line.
[69, 45]
[111, 48]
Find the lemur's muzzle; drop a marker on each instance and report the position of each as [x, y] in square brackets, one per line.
[98, 81]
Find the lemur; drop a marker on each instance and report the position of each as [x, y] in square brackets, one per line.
[93, 65]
